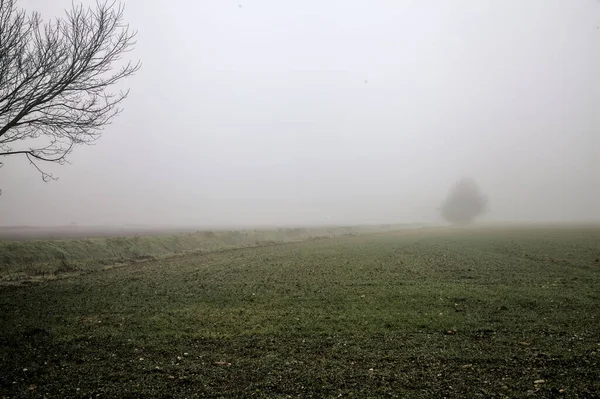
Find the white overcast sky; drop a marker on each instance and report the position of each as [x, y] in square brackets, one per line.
[273, 111]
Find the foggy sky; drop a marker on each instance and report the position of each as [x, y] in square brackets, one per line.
[365, 111]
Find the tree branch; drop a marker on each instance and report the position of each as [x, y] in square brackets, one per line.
[55, 78]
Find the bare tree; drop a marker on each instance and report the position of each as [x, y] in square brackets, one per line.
[464, 203]
[55, 78]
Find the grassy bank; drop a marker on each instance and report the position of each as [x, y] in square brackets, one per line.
[46, 258]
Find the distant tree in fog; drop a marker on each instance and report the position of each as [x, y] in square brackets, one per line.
[55, 76]
[464, 203]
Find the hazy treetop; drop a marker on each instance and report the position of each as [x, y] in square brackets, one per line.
[465, 202]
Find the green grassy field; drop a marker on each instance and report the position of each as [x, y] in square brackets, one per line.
[48, 259]
[418, 314]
